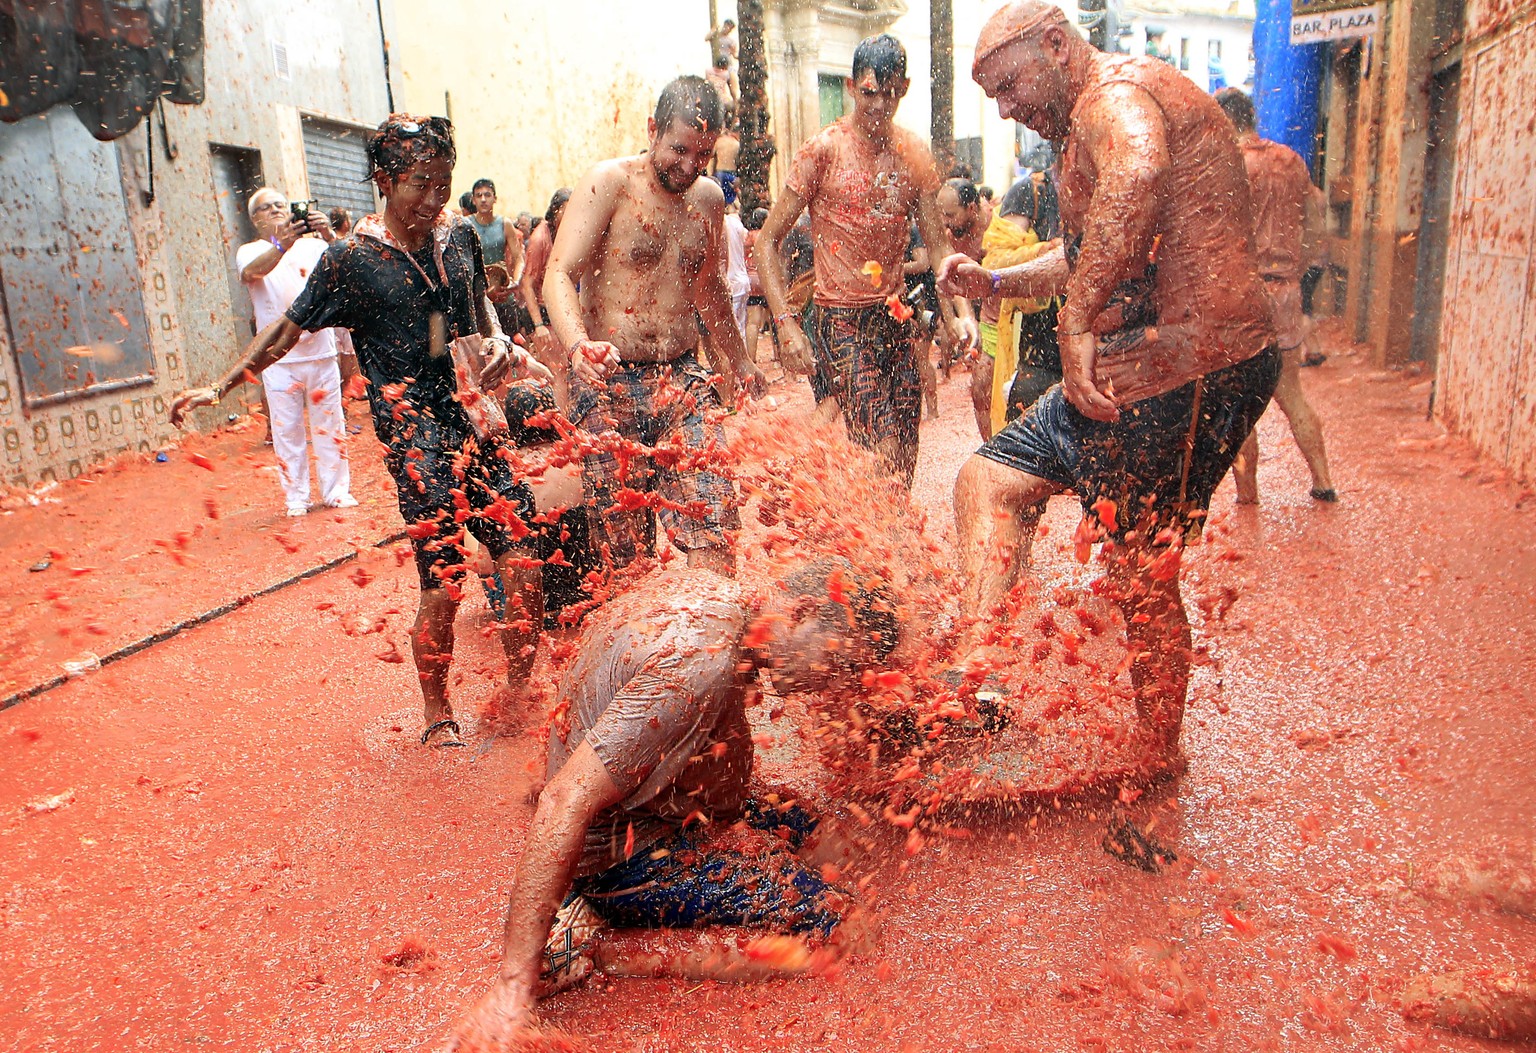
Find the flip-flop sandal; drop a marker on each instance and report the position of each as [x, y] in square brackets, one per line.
[1125, 841]
[569, 952]
[443, 725]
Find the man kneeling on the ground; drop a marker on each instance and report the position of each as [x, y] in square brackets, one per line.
[647, 821]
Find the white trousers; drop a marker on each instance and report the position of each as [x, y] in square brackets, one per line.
[739, 309]
[313, 389]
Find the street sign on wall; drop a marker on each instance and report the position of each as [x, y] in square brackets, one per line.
[1323, 20]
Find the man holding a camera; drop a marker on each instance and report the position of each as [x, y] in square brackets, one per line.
[290, 241]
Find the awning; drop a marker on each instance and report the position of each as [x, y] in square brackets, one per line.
[109, 59]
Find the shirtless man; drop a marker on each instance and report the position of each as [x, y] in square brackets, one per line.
[643, 237]
[1281, 187]
[535, 262]
[1164, 370]
[966, 215]
[863, 179]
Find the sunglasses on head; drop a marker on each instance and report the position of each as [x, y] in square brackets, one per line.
[412, 129]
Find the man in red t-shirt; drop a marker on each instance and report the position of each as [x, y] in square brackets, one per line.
[1281, 184]
[864, 180]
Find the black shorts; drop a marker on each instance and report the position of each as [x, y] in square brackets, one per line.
[447, 484]
[1139, 462]
[685, 882]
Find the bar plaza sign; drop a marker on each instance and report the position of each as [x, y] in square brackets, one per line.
[1321, 20]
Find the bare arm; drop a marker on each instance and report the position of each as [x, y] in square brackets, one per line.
[551, 850]
[1124, 133]
[270, 345]
[585, 223]
[712, 299]
[769, 254]
[1045, 275]
[960, 323]
[514, 256]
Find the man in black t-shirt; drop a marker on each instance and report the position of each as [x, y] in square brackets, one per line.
[407, 282]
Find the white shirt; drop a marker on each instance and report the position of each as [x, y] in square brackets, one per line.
[736, 278]
[274, 292]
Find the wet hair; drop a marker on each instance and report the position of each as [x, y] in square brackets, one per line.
[530, 408]
[866, 599]
[883, 56]
[1238, 107]
[986, 192]
[965, 190]
[556, 203]
[961, 170]
[402, 140]
[728, 24]
[340, 217]
[756, 219]
[694, 101]
[482, 182]
[525, 215]
[722, 59]
[467, 201]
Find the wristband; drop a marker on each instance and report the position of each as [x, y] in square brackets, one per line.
[780, 319]
[997, 282]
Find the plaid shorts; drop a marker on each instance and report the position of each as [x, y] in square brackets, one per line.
[864, 359]
[662, 407]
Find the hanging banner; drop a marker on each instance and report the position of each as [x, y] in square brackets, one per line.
[1322, 21]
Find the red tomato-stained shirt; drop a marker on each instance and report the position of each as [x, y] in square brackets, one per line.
[862, 199]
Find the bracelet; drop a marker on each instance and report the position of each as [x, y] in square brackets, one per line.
[997, 282]
[780, 319]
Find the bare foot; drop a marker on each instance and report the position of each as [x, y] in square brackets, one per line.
[1485, 1002]
[1497, 874]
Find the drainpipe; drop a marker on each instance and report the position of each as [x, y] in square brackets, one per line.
[1287, 81]
[389, 88]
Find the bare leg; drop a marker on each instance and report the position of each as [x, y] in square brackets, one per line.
[996, 509]
[432, 646]
[923, 349]
[525, 615]
[1245, 470]
[1305, 425]
[756, 318]
[727, 955]
[1145, 584]
[981, 394]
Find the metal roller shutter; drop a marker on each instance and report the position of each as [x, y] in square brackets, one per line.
[336, 159]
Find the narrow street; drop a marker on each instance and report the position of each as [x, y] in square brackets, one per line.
[231, 839]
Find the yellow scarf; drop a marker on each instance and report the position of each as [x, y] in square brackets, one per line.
[1006, 244]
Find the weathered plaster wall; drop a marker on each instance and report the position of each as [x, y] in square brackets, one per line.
[540, 92]
[1486, 383]
[335, 68]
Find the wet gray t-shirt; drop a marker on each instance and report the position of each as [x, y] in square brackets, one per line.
[656, 692]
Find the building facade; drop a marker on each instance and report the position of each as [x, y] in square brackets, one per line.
[118, 280]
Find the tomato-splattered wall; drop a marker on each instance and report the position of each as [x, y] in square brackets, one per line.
[1486, 377]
